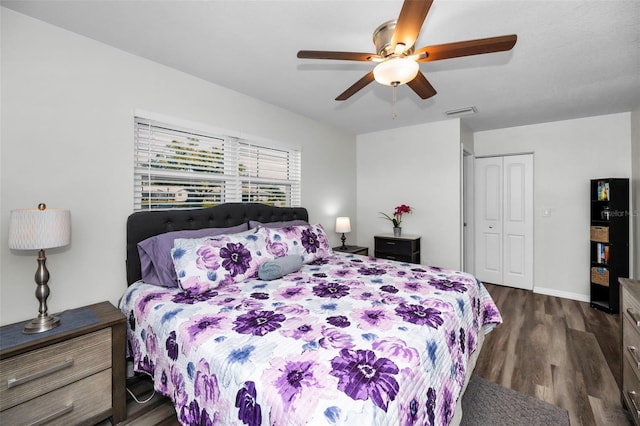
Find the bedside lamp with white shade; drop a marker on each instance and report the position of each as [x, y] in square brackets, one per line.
[40, 229]
[343, 225]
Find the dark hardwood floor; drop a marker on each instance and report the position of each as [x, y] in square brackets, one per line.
[558, 350]
[155, 409]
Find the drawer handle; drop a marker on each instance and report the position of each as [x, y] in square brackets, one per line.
[634, 354]
[53, 416]
[21, 380]
[390, 243]
[632, 397]
[634, 316]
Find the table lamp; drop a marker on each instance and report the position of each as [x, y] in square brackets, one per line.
[40, 229]
[343, 225]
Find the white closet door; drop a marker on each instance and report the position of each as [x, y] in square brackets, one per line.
[504, 220]
[518, 221]
[488, 206]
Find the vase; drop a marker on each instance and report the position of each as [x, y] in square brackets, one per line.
[397, 231]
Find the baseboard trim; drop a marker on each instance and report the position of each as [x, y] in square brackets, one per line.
[564, 294]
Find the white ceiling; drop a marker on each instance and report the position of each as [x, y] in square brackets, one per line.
[572, 59]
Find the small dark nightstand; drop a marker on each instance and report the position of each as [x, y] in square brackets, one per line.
[364, 251]
[403, 249]
[72, 374]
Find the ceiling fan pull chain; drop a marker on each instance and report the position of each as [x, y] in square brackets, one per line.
[394, 113]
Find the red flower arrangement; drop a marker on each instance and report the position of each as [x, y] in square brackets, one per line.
[397, 214]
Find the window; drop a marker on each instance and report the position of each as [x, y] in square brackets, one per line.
[183, 168]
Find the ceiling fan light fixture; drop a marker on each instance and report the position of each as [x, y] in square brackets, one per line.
[396, 71]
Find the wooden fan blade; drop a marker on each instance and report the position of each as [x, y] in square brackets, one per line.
[467, 48]
[341, 56]
[422, 87]
[368, 78]
[410, 22]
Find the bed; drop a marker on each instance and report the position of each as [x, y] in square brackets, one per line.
[293, 333]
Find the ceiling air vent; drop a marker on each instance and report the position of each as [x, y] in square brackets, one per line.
[461, 111]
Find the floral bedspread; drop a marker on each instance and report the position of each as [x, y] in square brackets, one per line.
[347, 340]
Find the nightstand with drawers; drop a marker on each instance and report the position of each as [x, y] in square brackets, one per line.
[72, 374]
[630, 322]
[364, 251]
[404, 249]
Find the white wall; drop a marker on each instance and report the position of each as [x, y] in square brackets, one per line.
[419, 166]
[567, 154]
[635, 193]
[67, 140]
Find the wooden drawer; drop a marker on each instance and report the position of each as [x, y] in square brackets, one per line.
[631, 306]
[70, 405]
[395, 246]
[631, 342]
[35, 373]
[631, 389]
[398, 257]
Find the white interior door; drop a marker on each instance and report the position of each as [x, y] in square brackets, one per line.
[488, 223]
[518, 221]
[504, 220]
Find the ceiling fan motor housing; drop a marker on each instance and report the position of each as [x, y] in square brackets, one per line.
[382, 37]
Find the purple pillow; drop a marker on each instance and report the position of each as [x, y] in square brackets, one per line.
[155, 253]
[295, 222]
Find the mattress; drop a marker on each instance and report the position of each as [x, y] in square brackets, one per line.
[345, 340]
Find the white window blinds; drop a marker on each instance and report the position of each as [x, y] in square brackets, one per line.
[185, 168]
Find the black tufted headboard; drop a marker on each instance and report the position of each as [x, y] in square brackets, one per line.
[142, 225]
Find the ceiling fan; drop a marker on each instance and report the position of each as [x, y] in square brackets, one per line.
[397, 59]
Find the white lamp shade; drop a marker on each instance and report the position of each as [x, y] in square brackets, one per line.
[396, 71]
[34, 229]
[343, 224]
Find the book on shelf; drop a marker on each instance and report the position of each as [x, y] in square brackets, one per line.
[603, 191]
[602, 253]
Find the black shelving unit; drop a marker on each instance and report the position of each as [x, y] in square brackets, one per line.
[609, 241]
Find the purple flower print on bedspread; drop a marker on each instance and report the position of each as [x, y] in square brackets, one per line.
[299, 381]
[345, 340]
[249, 412]
[361, 376]
[447, 285]
[334, 290]
[418, 314]
[258, 323]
